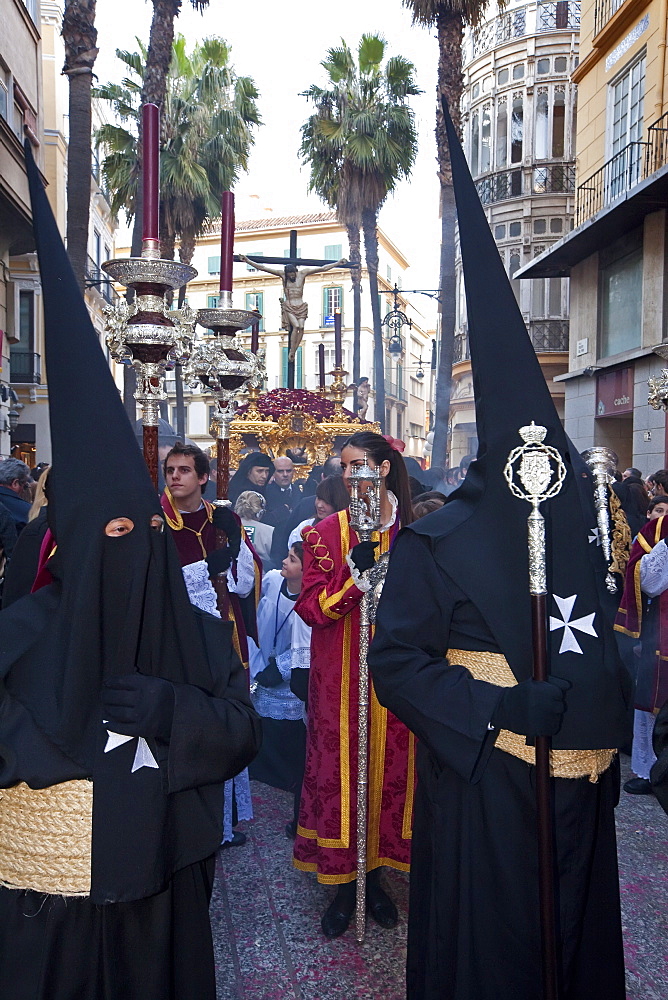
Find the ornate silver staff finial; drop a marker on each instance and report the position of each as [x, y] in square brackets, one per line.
[541, 472]
[364, 499]
[603, 462]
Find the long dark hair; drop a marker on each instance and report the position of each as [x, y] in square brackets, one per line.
[397, 478]
[333, 491]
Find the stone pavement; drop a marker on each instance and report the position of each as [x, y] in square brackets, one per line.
[269, 946]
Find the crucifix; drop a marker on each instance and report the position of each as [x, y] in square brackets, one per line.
[293, 273]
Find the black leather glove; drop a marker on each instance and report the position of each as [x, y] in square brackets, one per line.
[224, 520]
[137, 705]
[532, 708]
[363, 555]
[299, 683]
[219, 561]
[270, 677]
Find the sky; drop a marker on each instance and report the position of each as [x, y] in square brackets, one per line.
[281, 45]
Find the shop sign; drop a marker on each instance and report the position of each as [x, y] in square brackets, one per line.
[614, 392]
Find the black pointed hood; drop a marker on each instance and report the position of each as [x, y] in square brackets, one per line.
[480, 536]
[118, 603]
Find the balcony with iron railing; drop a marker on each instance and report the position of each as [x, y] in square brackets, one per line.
[25, 368]
[549, 178]
[548, 336]
[99, 280]
[634, 163]
[551, 15]
[603, 11]
[396, 391]
[461, 350]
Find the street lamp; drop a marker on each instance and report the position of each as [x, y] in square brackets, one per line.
[395, 320]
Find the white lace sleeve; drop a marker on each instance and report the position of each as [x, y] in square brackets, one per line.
[654, 570]
[199, 587]
[245, 573]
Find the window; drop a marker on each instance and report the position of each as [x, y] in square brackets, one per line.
[486, 140]
[97, 247]
[255, 300]
[560, 64]
[333, 251]
[542, 66]
[518, 71]
[503, 77]
[4, 93]
[475, 143]
[546, 298]
[332, 299]
[330, 361]
[621, 304]
[541, 125]
[514, 266]
[486, 84]
[515, 229]
[251, 253]
[17, 120]
[558, 124]
[27, 321]
[299, 373]
[517, 130]
[389, 273]
[556, 225]
[475, 92]
[499, 232]
[416, 431]
[286, 253]
[31, 7]
[212, 301]
[539, 226]
[213, 265]
[24, 363]
[107, 251]
[626, 125]
[501, 134]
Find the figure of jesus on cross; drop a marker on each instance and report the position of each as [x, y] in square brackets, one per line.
[294, 310]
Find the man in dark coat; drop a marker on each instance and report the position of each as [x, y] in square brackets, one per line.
[122, 711]
[452, 658]
[14, 478]
[634, 499]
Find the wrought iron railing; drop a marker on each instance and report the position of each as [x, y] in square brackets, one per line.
[549, 335]
[503, 28]
[603, 11]
[499, 186]
[25, 367]
[558, 15]
[461, 350]
[396, 391]
[554, 178]
[100, 281]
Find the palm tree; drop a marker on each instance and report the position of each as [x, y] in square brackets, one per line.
[449, 17]
[79, 37]
[366, 127]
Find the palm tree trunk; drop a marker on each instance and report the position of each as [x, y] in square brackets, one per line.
[371, 252]
[79, 37]
[449, 85]
[356, 277]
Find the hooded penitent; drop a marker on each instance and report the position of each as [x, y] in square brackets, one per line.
[117, 604]
[483, 528]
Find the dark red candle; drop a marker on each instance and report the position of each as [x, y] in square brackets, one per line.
[255, 336]
[226, 241]
[321, 365]
[338, 350]
[151, 169]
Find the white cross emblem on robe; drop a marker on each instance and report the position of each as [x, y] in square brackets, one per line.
[594, 536]
[569, 643]
[143, 755]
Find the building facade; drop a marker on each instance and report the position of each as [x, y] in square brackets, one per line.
[616, 255]
[30, 438]
[20, 115]
[321, 237]
[519, 111]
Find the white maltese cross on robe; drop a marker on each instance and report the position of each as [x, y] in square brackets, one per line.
[143, 755]
[569, 643]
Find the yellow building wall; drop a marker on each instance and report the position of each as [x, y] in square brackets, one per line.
[594, 79]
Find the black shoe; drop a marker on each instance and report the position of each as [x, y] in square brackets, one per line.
[291, 830]
[238, 839]
[638, 786]
[380, 906]
[337, 916]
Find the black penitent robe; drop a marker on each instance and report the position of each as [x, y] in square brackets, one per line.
[474, 931]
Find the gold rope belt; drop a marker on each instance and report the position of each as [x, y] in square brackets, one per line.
[45, 838]
[493, 668]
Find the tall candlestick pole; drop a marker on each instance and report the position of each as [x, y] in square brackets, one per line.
[227, 241]
[255, 336]
[150, 179]
[321, 365]
[338, 349]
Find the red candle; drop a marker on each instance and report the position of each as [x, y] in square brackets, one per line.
[151, 169]
[338, 351]
[255, 336]
[321, 364]
[226, 241]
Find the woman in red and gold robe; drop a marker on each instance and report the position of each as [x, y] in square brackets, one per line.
[332, 590]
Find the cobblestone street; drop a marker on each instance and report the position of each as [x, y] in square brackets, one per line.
[266, 915]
